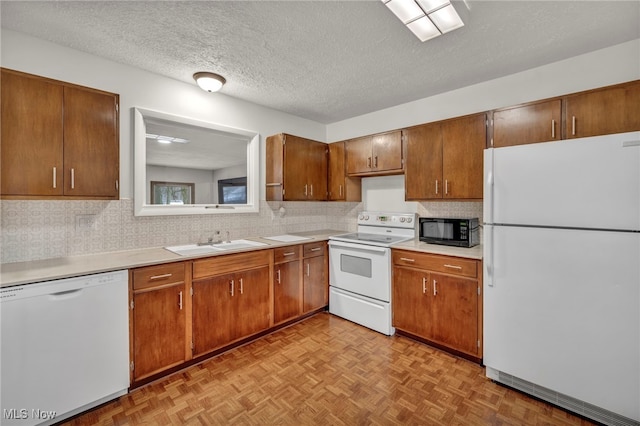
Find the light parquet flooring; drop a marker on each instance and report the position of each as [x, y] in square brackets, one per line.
[328, 371]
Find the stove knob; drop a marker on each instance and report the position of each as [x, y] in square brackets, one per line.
[402, 219]
[361, 217]
[366, 217]
[409, 219]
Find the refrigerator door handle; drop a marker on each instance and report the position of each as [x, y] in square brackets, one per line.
[487, 212]
[488, 256]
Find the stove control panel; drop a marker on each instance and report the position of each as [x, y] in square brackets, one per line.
[396, 220]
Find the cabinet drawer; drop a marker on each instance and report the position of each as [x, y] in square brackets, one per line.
[230, 263]
[314, 249]
[286, 254]
[160, 275]
[436, 263]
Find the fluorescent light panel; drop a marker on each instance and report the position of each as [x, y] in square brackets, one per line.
[165, 139]
[426, 18]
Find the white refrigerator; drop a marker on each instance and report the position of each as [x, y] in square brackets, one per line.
[562, 273]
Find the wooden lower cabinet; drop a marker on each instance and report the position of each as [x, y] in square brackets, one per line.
[229, 307]
[441, 307]
[159, 308]
[315, 272]
[286, 284]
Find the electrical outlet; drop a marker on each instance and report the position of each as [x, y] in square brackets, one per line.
[86, 222]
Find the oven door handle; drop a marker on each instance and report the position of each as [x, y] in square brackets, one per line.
[362, 247]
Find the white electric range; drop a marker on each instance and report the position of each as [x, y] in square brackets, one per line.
[360, 268]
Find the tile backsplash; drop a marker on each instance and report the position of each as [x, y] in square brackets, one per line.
[34, 230]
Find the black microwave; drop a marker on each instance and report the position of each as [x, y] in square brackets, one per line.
[451, 232]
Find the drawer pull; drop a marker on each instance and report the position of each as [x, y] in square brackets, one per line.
[316, 249]
[435, 287]
[241, 286]
[278, 276]
[453, 267]
[159, 277]
[406, 259]
[180, 301]
[289, 253]
[424, 285]
[231, 287]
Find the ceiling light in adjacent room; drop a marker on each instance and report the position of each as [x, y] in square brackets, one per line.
[209, 81]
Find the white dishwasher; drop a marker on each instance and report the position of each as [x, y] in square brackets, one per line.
[64, 347]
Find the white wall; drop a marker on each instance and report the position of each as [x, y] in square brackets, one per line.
[139, 88]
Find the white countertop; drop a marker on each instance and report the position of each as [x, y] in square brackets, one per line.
[65, 267]
[72, 266]
[417, 245]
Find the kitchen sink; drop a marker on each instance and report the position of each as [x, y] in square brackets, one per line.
[195, 249]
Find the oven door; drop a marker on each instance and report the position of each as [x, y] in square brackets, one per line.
[361, 269]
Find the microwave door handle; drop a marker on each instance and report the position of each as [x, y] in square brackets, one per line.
[361, 247]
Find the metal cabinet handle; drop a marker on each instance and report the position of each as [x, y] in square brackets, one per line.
[305, 190]
[341, 190]
[231, 283]
[278, 276]
[241, 286]
[289, 253]
[573, 125]
[180, 300]
[369, 162]
[553, 129]
[159, 277]
[435, 287]
[73, 179]
[446, 187]
[311, 190]
[308, 269]
[436, 186]
[316, 249]
[424, 285]
[375, 164]
[453, 266]
[406, 259]
[54, 178]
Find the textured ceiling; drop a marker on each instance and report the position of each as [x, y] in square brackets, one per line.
[326, 60]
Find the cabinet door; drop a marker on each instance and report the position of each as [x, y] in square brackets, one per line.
[336, 171]
[386, 150]
[464, 141]
[31, 148]
[295, 169]
[316, 290]
[286, 291]
[251, 297]
[158, 329]
[358, 152]
[213, 312]
[423, 168]
[614, 109]
[91, 147]
[538, 122]
[455, 312]
[411, 301]
[315, 167]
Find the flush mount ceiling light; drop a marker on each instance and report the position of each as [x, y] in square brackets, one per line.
[426, 18]
[209, 81]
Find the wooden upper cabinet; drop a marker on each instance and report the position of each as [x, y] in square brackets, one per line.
[341, 187]
[296, 169]
[423, 168]
[32, 148]
[530, 123]
[58, 139]
[444, 159]
[612, 109]
[463, 142]
[379, 154]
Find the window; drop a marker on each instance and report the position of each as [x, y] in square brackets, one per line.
[174, 193]
[232, 191]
